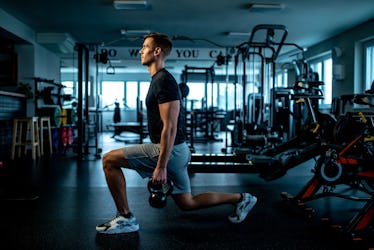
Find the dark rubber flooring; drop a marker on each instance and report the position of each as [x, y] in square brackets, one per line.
[71, 197]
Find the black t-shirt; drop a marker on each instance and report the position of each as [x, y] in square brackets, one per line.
[163, 88]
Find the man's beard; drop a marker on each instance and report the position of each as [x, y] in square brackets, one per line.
[145, 63]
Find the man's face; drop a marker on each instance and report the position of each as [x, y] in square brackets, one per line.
[147, 54]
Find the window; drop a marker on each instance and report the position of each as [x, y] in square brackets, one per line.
[369, 64]
[143, 89]
[196, 95]
[112, 92]
[131, 94]
[69, 87]
[212, 94]
[281, 78]
[230, 89]
[126, 93]
[323, 66]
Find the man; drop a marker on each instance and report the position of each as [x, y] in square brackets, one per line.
[168, 154]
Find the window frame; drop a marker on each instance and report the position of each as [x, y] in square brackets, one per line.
[368, 63]
[327, 87]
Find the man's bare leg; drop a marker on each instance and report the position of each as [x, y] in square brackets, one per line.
[204, 200]
[112, 163]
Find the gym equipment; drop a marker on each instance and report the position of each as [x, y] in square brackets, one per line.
[347, 163]
[312, 126]
[185, 90]
[255, 73]
[264, 155]
[56, 138]
[117, 112]
[61, 109]
[68, 116]
[50, 92]
[257, 146]
[137, 127]
[53, 112]
[159, 193]
[87, 116]
[201, 122]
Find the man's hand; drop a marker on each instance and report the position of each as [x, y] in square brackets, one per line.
[159, 175]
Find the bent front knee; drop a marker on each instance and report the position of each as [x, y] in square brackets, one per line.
[113, 159]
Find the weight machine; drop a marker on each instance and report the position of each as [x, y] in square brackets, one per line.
[255, 125]
[259, 147]
[87, 132]
[255, 65]
[264, 143]
[201, 122]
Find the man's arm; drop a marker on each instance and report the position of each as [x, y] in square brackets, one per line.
[169, 113]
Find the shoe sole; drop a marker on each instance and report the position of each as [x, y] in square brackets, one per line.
[249, 208]
[130, 229]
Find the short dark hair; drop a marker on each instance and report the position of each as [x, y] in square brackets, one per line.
[161, 40]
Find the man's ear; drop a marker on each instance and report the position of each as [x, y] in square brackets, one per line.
[157, 51]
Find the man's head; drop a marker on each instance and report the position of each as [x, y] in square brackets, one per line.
[162, 41]
[155, 44]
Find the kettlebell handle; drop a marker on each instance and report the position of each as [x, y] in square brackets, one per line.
[158, 193]
[165, 188]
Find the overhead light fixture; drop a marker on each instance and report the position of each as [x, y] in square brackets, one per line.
[130, 5]
[239, 34]
[265, 7]
[134, 32]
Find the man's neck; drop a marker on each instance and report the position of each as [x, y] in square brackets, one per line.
[155, 67]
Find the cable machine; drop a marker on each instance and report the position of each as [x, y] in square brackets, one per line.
[201, 121]
[86, 124]
[255, 67]
[256, 58]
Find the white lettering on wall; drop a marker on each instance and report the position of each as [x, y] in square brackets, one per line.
[129, 53]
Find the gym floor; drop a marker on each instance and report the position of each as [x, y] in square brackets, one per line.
[72, 197]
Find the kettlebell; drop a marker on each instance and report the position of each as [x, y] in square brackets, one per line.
[158, 193]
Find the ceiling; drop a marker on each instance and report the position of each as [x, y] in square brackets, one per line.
[192, 23]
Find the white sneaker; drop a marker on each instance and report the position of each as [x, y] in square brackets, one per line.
[243, 208]
[119, 224]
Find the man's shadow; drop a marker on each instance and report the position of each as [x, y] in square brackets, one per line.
[118, 241]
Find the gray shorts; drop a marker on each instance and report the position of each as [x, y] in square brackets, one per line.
[143, 159]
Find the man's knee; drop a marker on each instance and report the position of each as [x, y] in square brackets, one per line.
[112, 159]
[185, 202]
[106, 160]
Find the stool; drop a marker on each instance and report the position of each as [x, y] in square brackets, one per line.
[26, 137]
[42, 121]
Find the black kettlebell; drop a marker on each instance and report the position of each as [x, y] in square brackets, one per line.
[158, 193]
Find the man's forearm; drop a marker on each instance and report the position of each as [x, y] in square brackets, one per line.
[166, 145]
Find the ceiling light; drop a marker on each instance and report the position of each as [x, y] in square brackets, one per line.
[237, 34]
[134, 32]
[130, 5]
[265, 7]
